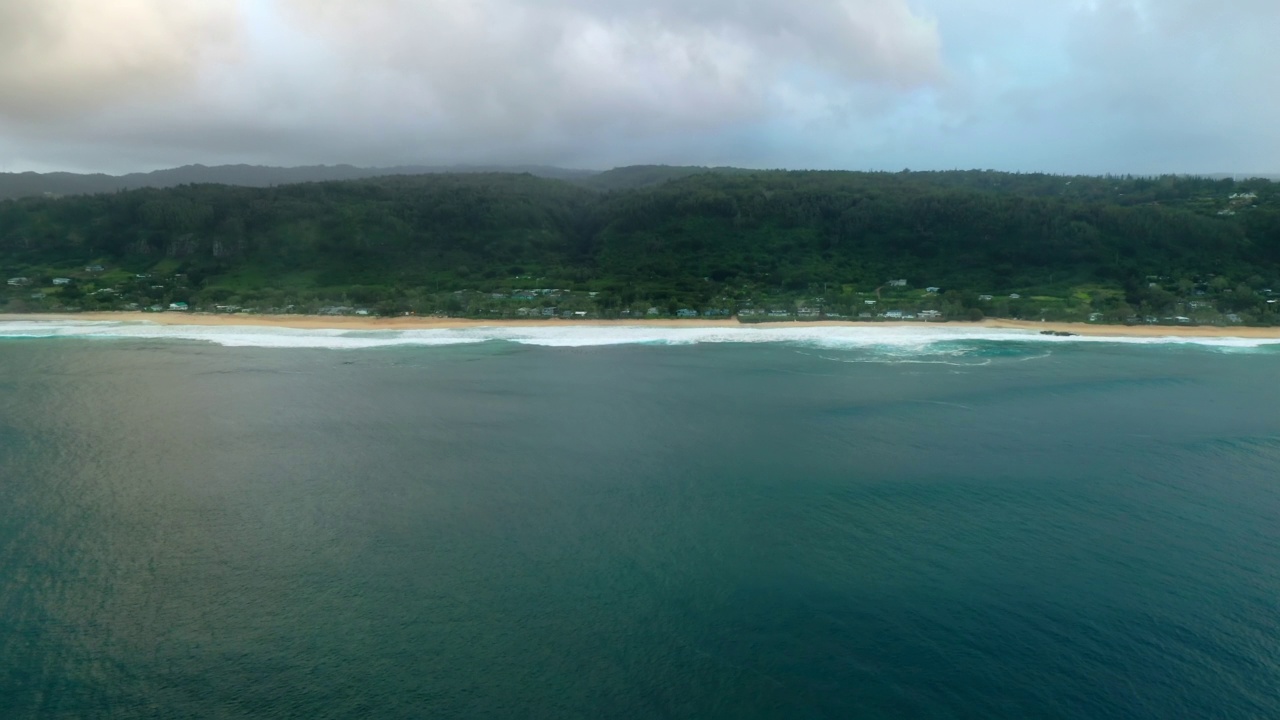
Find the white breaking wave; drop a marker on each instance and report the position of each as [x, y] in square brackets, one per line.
[896, 339]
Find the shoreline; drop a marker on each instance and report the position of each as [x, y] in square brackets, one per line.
[346, 322]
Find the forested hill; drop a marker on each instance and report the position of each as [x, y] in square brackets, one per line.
[826, 242]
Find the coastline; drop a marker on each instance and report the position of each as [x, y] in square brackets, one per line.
[345, 322]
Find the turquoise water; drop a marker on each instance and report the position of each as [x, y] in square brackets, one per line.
[969, 528]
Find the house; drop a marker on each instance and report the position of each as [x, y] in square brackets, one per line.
[1232, 317]
[1015, 296]
[864, 315]
[779, 313]
[933, 290]
[548, 312]
[930, 315]
[894, 314]
[868, 302]
[808, 312]
[94, 268]
[986, 298]
[62, 281]
[18, 281]
[1095, 317]
[523, 312]
[651, 312]
[362, 312]
[180, 306]
[580, 313]
[897, 283]
[686, 313]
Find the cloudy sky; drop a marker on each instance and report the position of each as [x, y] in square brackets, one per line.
[1089, 86]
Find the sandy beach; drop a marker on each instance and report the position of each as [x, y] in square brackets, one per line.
[316, 322]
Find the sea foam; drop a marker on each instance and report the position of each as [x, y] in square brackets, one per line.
[924, 339]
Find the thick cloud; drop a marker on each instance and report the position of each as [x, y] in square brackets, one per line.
[1062, 85]
[65, 57]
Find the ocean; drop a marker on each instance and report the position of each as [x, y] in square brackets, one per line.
[636, 523]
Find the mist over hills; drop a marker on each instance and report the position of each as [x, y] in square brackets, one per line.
[31, 184]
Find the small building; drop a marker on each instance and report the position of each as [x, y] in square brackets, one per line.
[653, 311]
[1015, 296]
[94, 268]
[930, 315]
[933, 290]
[1233, 318]
[868, 302]
[362, 312]
[894, 314]
[986, 298]
[62, 281]
[179, 306]
[898, 283]
[18, 281]
[686, 313]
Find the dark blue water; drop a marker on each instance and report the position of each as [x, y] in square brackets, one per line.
[1089, 531]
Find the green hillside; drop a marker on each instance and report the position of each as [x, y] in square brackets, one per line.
[801, 244]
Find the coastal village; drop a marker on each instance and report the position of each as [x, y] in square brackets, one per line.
[1208, 300]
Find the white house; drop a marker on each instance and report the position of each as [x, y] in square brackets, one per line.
[62, 281]
[932, 290]
[18, 281]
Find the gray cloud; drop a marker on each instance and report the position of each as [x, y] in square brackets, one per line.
[1060, 85]
[63, 57]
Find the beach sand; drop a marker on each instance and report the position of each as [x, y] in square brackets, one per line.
[316, 322]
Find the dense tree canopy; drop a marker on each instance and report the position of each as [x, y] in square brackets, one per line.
[701, 238]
